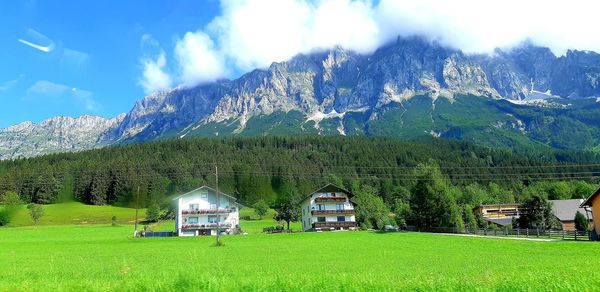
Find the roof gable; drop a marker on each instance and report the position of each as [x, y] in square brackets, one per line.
[565, 210]
[588, 201]
[331, 188]
[207, 188]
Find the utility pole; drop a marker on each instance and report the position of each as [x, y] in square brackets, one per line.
[137, 206]
[218, 203]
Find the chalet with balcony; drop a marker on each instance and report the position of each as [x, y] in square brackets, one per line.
[198, 213]
[498, 214]
[328, 208]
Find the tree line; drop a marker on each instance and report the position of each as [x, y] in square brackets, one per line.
[398, 175]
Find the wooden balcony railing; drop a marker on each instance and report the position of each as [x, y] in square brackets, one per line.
[332, 212]
[206, 212]
[337, 224]
[338, 199]
[205, 226]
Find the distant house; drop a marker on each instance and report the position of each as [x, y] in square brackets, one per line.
[328, 208]
[565, 211]
[592, 205]
[198, 214]
[499, 214]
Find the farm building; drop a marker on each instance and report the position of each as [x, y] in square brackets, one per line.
[592, 205]
[198, 214]
[328, 208]
[565, 211]
[499, 214]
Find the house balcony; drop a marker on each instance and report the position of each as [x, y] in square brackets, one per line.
[338, 199]
[206, 212]
[332, 212]
[334, 224]
[206, 226]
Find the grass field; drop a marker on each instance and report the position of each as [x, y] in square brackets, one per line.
[101, 257]
[76, 213]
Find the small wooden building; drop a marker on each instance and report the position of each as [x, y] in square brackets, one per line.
[565, 211]
[592, 205]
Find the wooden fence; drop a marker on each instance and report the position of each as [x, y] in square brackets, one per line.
[537, 233]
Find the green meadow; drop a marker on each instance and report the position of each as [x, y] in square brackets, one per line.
[100, 257]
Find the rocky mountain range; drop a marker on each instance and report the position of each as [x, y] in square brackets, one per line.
[526, 96]
[58, 134]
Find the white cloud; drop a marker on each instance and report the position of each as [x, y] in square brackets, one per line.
[254, 33]
[154, 77]
[46, 90]
[198, 60]
[6, 85]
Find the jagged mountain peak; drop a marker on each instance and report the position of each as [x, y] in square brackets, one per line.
[331, 86]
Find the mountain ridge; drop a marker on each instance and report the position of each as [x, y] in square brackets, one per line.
[346, 87]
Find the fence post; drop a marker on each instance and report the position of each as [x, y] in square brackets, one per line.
[563, 234]
[575, 235]
[527, 230]
[518, 232]
[538, 232]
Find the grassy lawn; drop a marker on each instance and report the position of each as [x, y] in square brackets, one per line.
[100, 257]
[77, 213]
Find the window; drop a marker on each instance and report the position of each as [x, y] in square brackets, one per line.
[213, 206]
[341, 219]
[194, 207]
[192, 220]
[321, 207]
[339, 207]
[213, 219]
[320, 219]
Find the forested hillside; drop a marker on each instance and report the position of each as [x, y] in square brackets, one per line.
[258, 168]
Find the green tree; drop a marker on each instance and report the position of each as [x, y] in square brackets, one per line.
[536, 212]
[36, 211]
[581, 222]
[371, 211]
[260, 208]
[432, 203]
[469, 217]
[287, 206]
[11, 202]
[153, 212]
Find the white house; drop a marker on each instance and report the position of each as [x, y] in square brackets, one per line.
[197, 213]
[328, 208]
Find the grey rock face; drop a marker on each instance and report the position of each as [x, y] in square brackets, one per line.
[58, 134]
[334, 81]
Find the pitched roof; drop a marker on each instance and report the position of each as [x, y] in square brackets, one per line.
[209, 188]
[330, 188]
[565, 210]
[588, 201]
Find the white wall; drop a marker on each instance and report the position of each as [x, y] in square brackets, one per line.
[206, 200]
[309, 205]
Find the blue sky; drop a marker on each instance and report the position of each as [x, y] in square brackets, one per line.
[74, 57]
[94, 65]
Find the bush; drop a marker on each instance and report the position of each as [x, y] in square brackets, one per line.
[581, 223]
[4, 218]
[36, 212]
[114, 221]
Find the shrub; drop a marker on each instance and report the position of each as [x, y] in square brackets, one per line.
[4, 218]
[36, 212]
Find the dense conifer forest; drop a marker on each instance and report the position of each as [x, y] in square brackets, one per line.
[254, 169]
